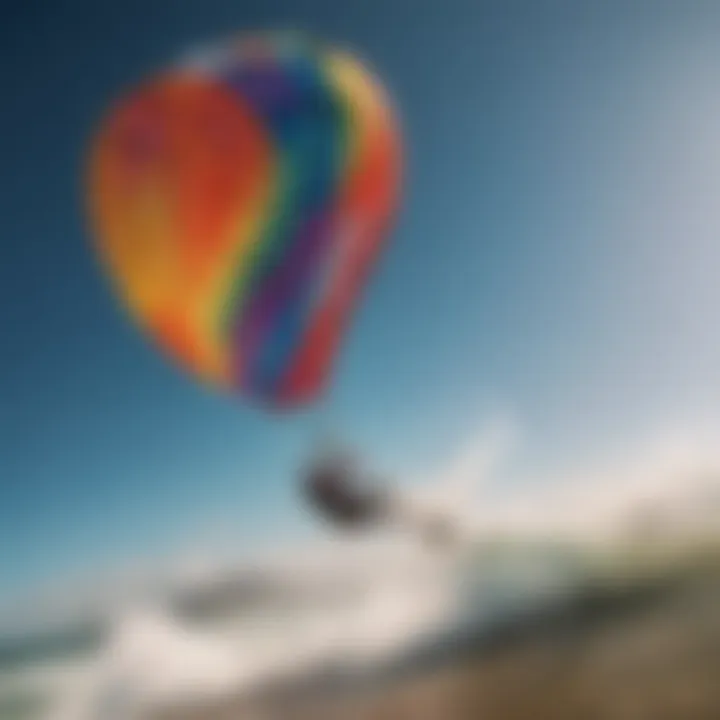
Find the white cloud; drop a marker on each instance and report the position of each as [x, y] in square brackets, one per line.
[670, 469]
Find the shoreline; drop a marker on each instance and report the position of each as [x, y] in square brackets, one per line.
[646, 650]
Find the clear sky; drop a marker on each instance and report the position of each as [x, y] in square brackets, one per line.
[556, 257]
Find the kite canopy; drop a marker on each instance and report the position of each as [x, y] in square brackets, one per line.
[239, 202]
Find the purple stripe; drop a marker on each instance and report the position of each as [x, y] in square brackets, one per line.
[282, 287]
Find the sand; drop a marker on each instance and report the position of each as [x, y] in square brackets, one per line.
[640, 653]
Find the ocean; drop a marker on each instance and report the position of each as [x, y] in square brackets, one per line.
[246, 627]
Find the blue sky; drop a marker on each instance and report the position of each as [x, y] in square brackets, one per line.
[556, 258]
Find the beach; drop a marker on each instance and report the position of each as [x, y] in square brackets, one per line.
[645, 650]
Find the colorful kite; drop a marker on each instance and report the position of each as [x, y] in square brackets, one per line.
[240, 201]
